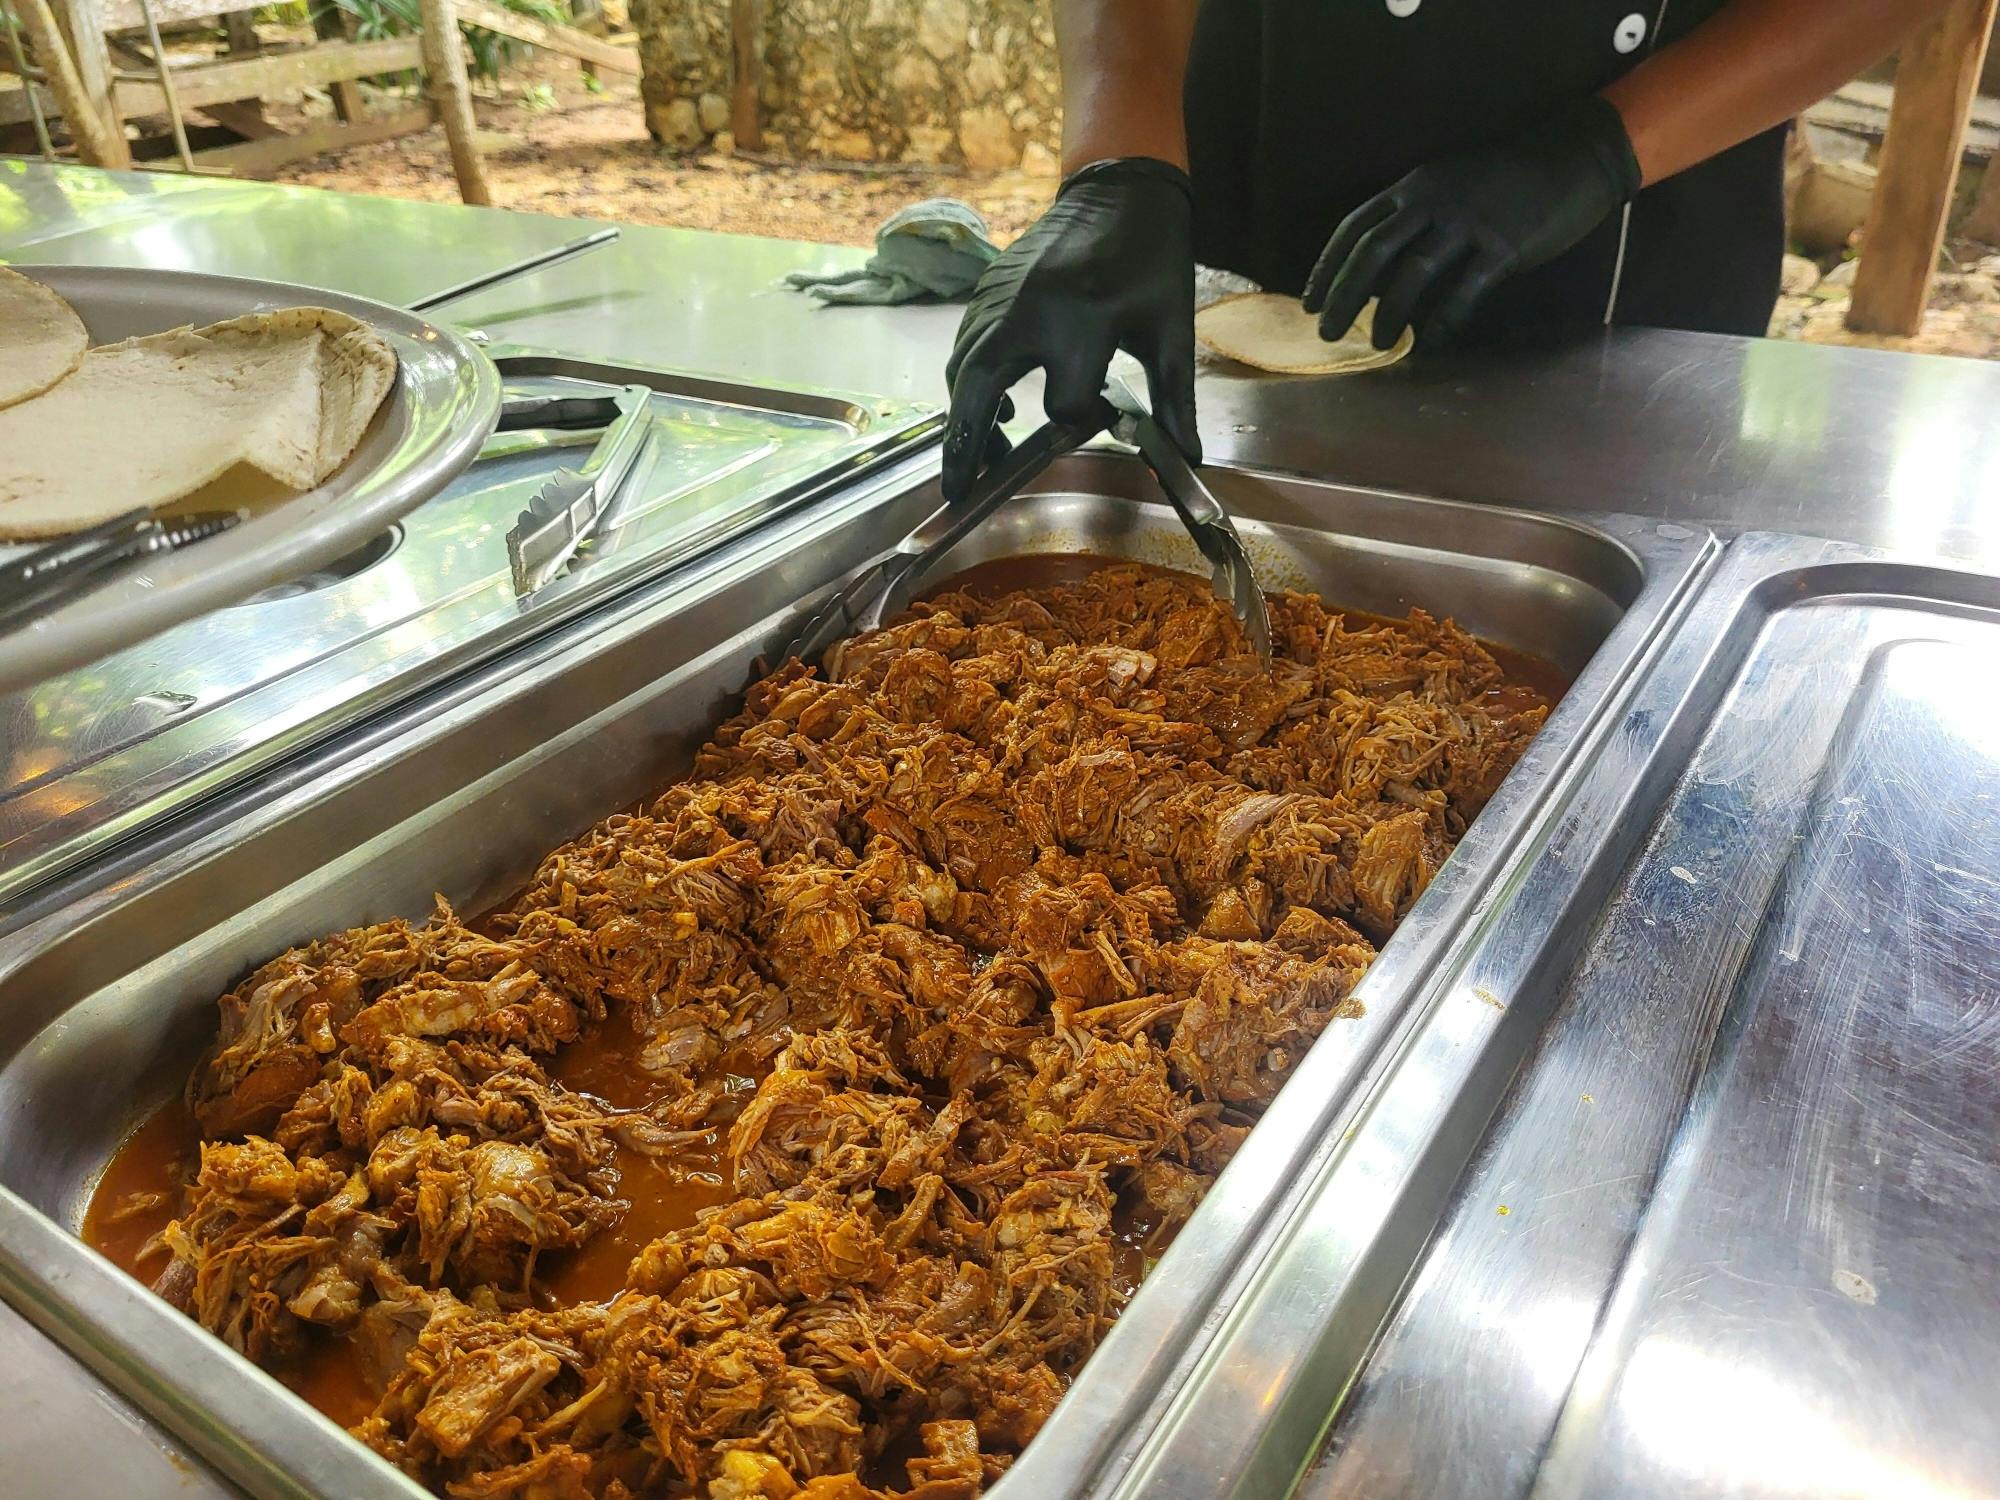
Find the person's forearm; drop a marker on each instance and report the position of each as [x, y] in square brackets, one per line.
[1122, 66]
[1750, 66]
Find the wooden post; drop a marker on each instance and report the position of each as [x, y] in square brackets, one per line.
[99, 142]
[1935, 81]
[746, 34]
[451, 95]
[84, 20]
[329, 27]
[241, 28]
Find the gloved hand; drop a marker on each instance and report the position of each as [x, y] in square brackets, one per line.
[1435, 243]
[1110, 266]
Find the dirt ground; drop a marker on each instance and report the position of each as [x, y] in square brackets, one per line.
[554, 146]
[573, 152]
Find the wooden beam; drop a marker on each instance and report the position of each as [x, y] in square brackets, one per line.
[451, 96]
[125, 15]
[262, 158]
[14, 107]
[275, 73]
[246, 117]
[1935, 81]
[550, 38]
[746, 39]
[99, 141]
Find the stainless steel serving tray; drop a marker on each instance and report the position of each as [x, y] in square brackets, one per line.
[88, 757]
[107, 988]
[442, 406]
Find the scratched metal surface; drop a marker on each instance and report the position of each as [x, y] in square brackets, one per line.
[1732, 1231]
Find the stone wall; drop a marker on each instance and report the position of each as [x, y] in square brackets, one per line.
[960, 81]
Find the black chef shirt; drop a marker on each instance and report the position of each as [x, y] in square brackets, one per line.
[1300, 110]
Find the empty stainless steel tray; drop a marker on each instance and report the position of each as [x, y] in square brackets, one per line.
[107, 987]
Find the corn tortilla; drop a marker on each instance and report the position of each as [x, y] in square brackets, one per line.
[1271, 332]
[154, 419]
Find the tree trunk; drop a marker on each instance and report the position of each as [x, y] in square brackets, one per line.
[98, 143]
[451, 94]
[1935, 81]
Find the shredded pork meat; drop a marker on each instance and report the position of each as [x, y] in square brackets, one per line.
[970, 960]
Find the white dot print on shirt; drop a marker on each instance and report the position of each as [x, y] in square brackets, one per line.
[1402, 7]
[1629, 33]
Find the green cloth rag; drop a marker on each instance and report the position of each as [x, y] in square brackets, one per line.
[930, 251]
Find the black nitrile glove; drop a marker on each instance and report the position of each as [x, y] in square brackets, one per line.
[1435, 243]
[1110, 266]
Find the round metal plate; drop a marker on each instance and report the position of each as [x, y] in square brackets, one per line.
[444, 404]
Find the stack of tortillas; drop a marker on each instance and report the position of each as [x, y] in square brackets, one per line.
[288, 394]
[1270, 332]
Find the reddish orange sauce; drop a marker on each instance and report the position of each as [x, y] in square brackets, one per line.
[329, 1375]
[666, 1192]
[141, 1190]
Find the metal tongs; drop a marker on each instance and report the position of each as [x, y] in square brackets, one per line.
[52, 575]
[572, 502]
[881, 590]
[1207, 522]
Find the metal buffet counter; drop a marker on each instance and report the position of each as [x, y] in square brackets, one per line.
[1666, 1156]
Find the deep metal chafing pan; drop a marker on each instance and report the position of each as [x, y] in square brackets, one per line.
[107, 983]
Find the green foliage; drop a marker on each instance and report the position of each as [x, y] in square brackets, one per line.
[490, 51]
[538, 97]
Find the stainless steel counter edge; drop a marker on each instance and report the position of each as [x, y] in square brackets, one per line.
[50, 1397]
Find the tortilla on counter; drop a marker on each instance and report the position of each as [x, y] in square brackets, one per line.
[149, 421]
[1271, 332]
[41, 337]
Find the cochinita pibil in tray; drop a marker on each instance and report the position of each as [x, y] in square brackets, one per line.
[802, 1132]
